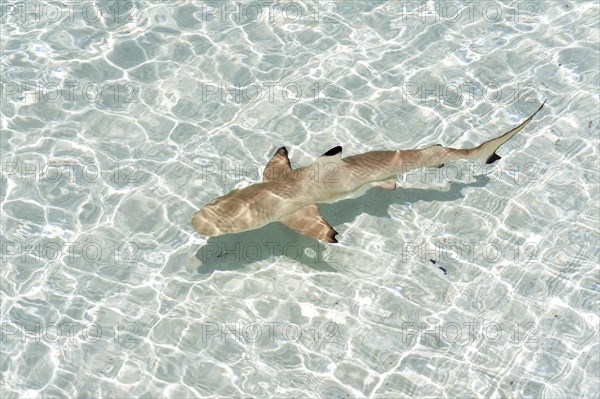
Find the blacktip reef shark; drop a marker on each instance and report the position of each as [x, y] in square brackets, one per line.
[289, 196]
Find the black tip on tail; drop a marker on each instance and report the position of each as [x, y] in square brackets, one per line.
[541, 106]
[493, 158]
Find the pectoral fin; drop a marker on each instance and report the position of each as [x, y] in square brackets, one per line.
[308, 221]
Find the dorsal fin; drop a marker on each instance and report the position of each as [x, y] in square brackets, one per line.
[278, 167]
[334, 151]
[332, 156]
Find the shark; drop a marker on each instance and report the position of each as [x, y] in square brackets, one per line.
[289, 196]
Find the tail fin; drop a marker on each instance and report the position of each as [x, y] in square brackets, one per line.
[486, 152]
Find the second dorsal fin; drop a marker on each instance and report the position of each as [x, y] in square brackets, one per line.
[334, 151]
[332, 156]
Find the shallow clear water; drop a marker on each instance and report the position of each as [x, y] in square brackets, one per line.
[117, 127]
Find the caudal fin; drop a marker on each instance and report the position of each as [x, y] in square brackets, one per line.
[486, 152]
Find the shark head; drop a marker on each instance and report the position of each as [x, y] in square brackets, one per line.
[239, 210]
[206, 221]
[217, 217]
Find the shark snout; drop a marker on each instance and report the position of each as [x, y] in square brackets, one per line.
[204, 223]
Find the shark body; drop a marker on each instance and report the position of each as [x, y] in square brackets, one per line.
[289, 195]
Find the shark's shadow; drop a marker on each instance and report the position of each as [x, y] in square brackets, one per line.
[275, 241]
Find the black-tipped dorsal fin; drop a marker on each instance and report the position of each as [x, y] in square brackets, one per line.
[308, 221]
[334, 151]
[332, 156]
[278, 167]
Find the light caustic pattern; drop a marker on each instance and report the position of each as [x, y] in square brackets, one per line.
[119, 120]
